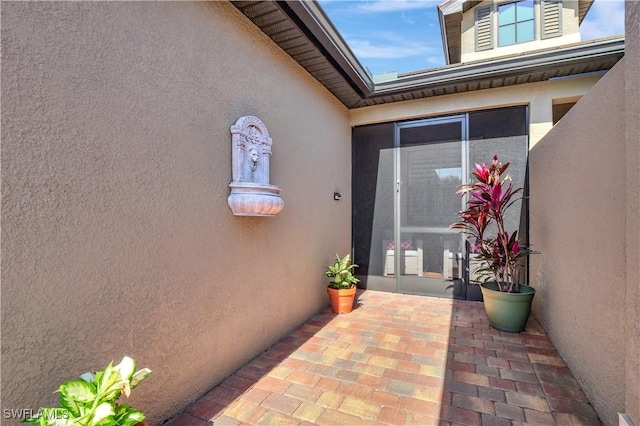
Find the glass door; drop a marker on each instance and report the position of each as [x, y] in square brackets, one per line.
[426, 256]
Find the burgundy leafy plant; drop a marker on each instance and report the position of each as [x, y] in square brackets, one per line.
[496, 248]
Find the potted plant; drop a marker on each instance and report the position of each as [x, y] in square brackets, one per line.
[91, 400]
[507, 302]
[342, 288]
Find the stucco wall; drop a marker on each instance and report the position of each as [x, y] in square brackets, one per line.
[539, 96]
[632, 127]
[116, 158]
[570, 33]
[578, 210]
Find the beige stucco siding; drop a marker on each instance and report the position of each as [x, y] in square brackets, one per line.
[539, 96]
[577, 213]
[570, 33]
[632, 153]
[116, 159]
[585, 199]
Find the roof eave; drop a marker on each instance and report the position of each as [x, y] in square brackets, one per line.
[521, 64]
[309, 38]
[322, 29]
[443, 35]
[583, 9]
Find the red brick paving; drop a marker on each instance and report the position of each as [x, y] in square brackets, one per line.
[400, 359]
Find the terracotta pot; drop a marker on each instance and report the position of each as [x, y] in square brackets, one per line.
[342, 299]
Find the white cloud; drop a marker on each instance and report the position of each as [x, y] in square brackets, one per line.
[390, 48]
[605, 18]
[389, 35]
[406, 19]
[436, 60]
[366, 50]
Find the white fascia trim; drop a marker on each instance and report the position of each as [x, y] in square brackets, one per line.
[451, 6]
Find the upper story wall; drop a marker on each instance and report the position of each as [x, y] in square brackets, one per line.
[116, 161]
[489, 46]
[540, 97]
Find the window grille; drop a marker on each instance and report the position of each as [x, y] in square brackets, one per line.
[516, 23]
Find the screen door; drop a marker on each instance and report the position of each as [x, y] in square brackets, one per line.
[425, 254]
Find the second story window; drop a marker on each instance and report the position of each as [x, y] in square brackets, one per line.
[516, 23]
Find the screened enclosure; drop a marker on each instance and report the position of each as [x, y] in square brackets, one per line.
[405, 178]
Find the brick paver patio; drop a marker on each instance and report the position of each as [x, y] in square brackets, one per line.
[400, 359]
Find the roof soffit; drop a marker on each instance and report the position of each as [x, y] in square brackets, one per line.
[304, 32]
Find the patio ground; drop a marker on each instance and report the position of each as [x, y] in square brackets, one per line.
[400, 359]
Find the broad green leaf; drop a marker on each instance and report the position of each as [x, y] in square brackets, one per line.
[97, 378]
[47, 421]
[91, 399]
[78, 390]
[121, 410]
[110, 382]
[64, 422]
[33, 419]
[103, 412]
[108, 421]
[108, 378]
[59, 416]
[112, 394]
[139, 376]
[84, 420]
[71, 404]
[130, 417]
[126, 368]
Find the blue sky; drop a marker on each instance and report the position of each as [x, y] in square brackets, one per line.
[404, 35]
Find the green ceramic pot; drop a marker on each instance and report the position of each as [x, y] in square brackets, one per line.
[507, 311]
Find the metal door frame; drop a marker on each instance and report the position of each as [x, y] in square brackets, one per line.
[463, 119]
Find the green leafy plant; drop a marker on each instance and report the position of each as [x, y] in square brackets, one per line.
[341, 272]
[488, 201]
[91, 400]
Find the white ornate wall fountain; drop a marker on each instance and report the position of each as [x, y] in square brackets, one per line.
[251, 193]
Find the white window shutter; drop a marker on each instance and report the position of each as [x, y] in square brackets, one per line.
[484, 28]
[551, 11]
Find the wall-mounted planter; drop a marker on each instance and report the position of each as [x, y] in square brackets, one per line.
[251, 193]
